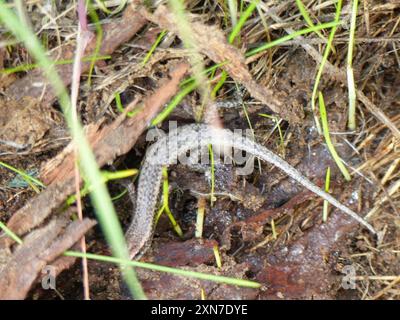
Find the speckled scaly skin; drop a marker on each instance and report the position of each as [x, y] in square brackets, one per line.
[165, 152]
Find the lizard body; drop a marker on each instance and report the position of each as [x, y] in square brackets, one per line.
[176, 144]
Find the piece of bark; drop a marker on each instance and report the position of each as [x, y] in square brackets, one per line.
[211, 41]
[38, 250]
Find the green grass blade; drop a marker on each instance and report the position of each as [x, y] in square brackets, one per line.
[179, 272]
[206, 71]
[187, 85]
[11, 234]
[154, 46]
[217, 256]
[32, 181]
[174, 103]
[243, 18]
[201, 204]
[307, 18]
[233, 12]
[220, 83]
[331, 148]
[165, 206]
[305, 14]
[121, 108]
[277, 126]
[102, 6]
[321, 66]
[350, 74]
[253, 136]
[107, 176]
[291, 36]
[195, 58]
[326, 203]
[120, 174]
[237, 26]
[211, 152]
[99, 39]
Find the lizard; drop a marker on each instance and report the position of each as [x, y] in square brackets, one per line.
[176, 144]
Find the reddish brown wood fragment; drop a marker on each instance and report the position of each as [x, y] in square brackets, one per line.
[39, 249]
